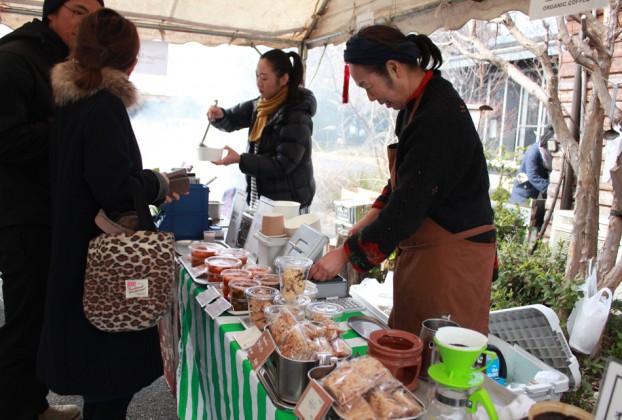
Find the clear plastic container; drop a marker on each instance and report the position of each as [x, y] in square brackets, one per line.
[233, 274]
[239, 253]
[270, 280]
[293, 271]
[200, 250]
[320, 311]
[216, 265]
[272, 312]
[258, 269]
[259, 298]
[237, 288]
[310, 290]
[300, 301]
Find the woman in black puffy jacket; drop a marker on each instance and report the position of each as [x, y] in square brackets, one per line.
[277, 163]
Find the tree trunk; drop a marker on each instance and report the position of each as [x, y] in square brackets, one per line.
[583, 245]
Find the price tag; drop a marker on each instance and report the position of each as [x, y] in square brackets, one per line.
[207, 296]
[217, 307]
[259, 352]
[314, 402]
[248, 337]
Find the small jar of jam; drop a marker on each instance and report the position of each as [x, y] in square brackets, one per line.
[232, 274]
[200, 250]
[237, 295]
[238, 253]
[270, 280]
[216, 265]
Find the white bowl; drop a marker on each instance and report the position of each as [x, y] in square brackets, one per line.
[310, 219]
[288, 209]
[210, 154]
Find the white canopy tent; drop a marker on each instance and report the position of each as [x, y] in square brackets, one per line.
[279, 23]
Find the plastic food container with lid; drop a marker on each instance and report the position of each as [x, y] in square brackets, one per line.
[293, 271]
[273, 311]
[300, 301]
[200, 250]
[270, 280]
[320, 311]
[259, 298]
[310, 290]
[239, 253]
[237, 295]
[217, 264]
[259, 269]
[232, 274]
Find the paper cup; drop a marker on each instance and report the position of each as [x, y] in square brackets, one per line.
[273, 225]
[210, 154]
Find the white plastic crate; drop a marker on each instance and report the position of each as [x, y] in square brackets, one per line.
[535, 329]
[522, 367]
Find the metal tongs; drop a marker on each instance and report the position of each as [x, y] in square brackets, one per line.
[209, 124]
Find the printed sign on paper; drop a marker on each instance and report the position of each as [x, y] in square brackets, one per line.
[313, 403]
[539, 9]
[259, 352]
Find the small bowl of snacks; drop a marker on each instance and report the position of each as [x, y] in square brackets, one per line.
[274, 311]
[259, 298]
[321, 311]
[293, 271]
[300, 301]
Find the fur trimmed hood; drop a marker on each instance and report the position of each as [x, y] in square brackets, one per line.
[65, 90]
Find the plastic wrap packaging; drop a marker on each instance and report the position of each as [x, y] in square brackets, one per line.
[364, 389]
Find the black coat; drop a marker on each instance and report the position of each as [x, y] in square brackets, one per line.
[94, 154]
[282, 166]
[441, 174]
[26, 56]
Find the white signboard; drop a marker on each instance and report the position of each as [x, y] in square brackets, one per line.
[152, 58]
[539, 9]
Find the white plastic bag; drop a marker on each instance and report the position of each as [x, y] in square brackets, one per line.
[590, 320]
[589, 289]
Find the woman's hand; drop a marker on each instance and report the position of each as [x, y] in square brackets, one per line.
[172, 196]
[215, 113]
[329, 265]
[230, 158]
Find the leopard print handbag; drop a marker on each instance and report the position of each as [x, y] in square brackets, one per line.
[129, 277]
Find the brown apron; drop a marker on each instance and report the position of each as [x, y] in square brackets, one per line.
[439, 273]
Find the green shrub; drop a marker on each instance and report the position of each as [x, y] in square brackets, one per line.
[526, 279]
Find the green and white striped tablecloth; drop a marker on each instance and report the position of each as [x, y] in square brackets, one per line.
[215, 380]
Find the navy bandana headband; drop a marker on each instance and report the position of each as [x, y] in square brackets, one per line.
[362, 51]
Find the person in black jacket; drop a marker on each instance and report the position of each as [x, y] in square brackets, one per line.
[435, 211]
[278, 162]
[26, 56]
[94, 159]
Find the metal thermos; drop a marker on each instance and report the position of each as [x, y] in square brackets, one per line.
[430, 354]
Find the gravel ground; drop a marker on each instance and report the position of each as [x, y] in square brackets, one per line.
[155, 402]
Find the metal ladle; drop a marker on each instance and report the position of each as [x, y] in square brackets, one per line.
[612, 133]
[209, 124]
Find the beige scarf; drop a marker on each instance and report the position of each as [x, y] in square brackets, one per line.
[265, 109]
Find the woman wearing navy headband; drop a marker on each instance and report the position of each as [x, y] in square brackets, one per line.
[435, 210]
